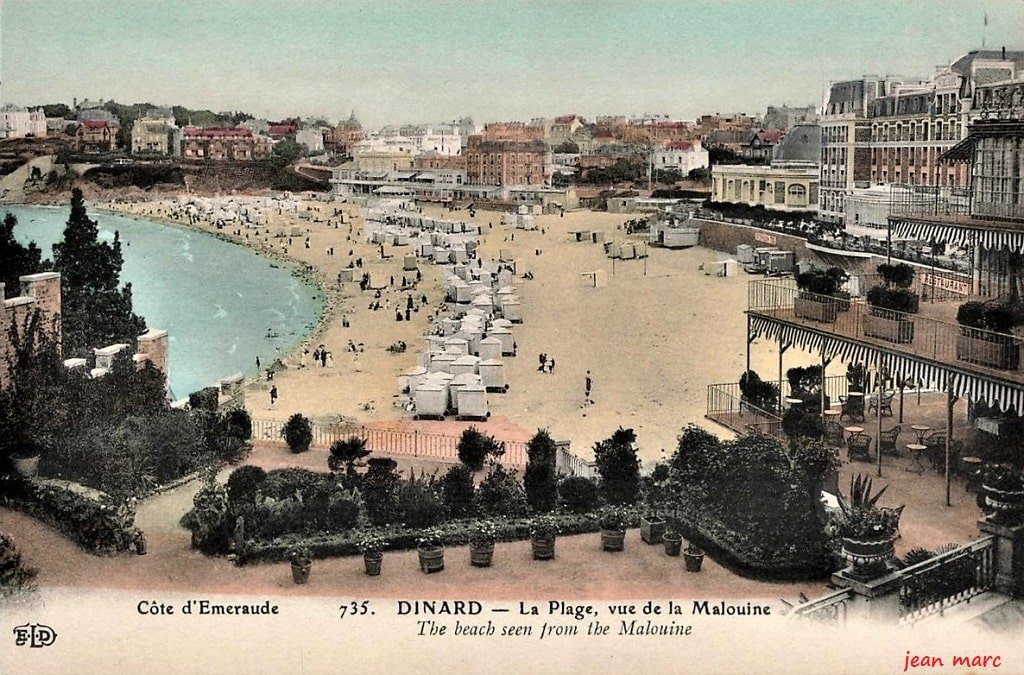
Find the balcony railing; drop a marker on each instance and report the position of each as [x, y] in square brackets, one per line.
[935, 585]
[829, 609]
[727, 407]
[946, 342]
[958, 204]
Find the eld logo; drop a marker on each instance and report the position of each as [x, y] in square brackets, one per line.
[34, 635]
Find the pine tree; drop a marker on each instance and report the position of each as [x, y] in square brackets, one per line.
[16, 260]
[540, 479]
[95, 311]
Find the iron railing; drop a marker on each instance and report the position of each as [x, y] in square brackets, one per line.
[441, 447]
[942, 341]
[829, 608]
[726, 406]
[934, 585]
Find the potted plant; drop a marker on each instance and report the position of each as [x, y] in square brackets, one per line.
[481, 543]
[693, 557]
[805, 383]
[856, 375]
[431, 551]
[1004, 494]
[302, 563]
[372, 548]
[652, 527]
[138, 541]
[890, 303]
[613, 528]
[758, 393]
[26, 461]
[543, 530]
[867, 531]
[985, 336]
[672, 538]
[297, 433]
[816, 299]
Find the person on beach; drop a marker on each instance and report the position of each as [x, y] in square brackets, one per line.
[543, 359]
[588, 385]
[270, 375]
[328, 360]
[551, 365]
[257, 363]
[273, 396]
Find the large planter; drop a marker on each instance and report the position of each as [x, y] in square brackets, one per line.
[815, 310]
[652, 529]
[27, 467]
[543, 547]
[431, 558]
[613, 540]
[899, 330]
[1007, 505]
[372, 561]
[673, 544]
[693, 561]
[868, 557]
[300, 571]
[301, 447]
[1002, 354]
[481, 554]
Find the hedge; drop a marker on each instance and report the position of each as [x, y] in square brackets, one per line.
[99, 528]
[397, 538]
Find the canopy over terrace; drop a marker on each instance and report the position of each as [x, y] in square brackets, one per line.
[928, 360]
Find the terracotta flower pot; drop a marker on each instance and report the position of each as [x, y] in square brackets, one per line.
[693, 561]
[673, 544]
[372, 561]
[300, 571]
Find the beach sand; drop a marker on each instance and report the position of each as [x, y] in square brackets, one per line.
[653, 339]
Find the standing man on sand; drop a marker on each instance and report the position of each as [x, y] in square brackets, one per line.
[273, 395]
[588, 385]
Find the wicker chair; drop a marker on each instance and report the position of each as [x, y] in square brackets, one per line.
[858, 447]
[936, 442]
[885, 409]
[887, 441]
[834, 433]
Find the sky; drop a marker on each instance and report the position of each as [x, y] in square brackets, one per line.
[436, 60]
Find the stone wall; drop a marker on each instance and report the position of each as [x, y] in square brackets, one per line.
[725, 237]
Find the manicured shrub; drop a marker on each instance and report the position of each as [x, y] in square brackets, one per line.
[15, 578]
[244, 483]
[238, 423]
[204, 399]
[474, 448]
[540, 480]
[457, 491]
[379, 488]
[297, 433]
[285, 483]
[418, 504]
[342, 514]
[619, 467]
[500, 494]
[211, 522]
[802, 422]
[578, 494]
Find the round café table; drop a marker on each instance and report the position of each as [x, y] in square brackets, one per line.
[920, 430]
[918, 450]
[853, 431]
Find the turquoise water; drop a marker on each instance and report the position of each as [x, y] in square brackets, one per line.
[221, 304]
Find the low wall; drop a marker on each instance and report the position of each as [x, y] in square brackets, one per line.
[722, 236]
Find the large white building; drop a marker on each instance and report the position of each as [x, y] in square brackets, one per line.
[443, 139]
[16, 122]
[681, 156]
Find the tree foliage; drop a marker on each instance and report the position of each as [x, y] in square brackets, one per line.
[619, 467]
[95, 311]
[540, 480]
[16, 260]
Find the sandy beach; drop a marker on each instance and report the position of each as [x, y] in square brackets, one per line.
[653, 339]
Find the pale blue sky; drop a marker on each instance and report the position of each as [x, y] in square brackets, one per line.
[429, 60]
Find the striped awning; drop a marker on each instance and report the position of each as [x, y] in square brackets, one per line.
[959, 235]
[911, 369]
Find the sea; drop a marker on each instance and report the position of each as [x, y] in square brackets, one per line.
[221, 304]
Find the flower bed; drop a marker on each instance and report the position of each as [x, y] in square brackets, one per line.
[397, 538]
[99, 527]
